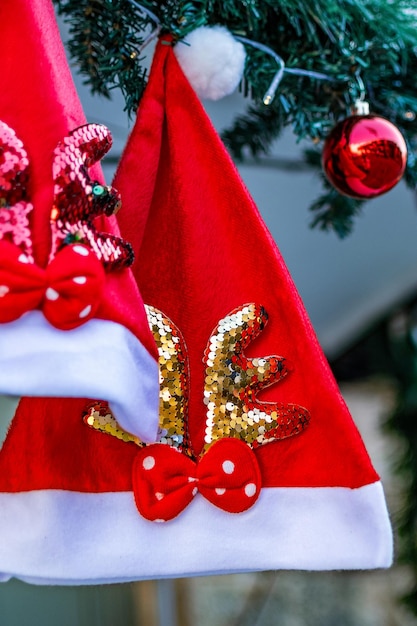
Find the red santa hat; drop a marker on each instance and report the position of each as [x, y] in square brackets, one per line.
[259, 464]
[72, 322]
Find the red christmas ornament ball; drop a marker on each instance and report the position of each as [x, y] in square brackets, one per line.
[364, 156]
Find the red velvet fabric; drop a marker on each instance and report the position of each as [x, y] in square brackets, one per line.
[39, 101]
[202, 250]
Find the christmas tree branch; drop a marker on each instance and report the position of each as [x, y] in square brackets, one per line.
[348, 41]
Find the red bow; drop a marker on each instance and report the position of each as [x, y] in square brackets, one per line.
[165, 481]
[68, 291]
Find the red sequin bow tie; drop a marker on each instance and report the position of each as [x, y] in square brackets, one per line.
[68, 291]
[165, 481]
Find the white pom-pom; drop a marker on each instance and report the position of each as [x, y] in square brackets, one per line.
[212, 60]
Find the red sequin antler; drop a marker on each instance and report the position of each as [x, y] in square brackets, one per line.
[14, 207]
[70, 289]
[79, 199]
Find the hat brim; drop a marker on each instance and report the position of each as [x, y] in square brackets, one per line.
[67, 538]
[99, 360]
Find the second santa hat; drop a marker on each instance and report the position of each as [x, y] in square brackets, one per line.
[72, 322]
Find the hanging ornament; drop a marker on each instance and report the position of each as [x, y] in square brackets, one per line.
[365, 155]
[212, 60]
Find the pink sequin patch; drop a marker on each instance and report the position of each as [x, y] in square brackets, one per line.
[14, 207]
[79, 199]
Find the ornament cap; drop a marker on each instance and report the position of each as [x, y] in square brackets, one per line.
[360, 107]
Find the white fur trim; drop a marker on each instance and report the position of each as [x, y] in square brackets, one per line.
[59, 537]
[212, 60]
[100, 360]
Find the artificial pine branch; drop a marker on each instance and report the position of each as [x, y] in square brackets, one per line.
[339, 38]
[254, 132]
[105, 39]
[331, 210]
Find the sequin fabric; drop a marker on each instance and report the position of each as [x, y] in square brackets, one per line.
[99, 417]
[173, 391]
[233, 381]
[78, 199]
[14, 205]
[173, 378]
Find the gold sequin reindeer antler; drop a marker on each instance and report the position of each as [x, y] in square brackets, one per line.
[173, 392]
[233, 381]
[231, 386]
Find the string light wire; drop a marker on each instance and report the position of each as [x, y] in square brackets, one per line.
[271, 91]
